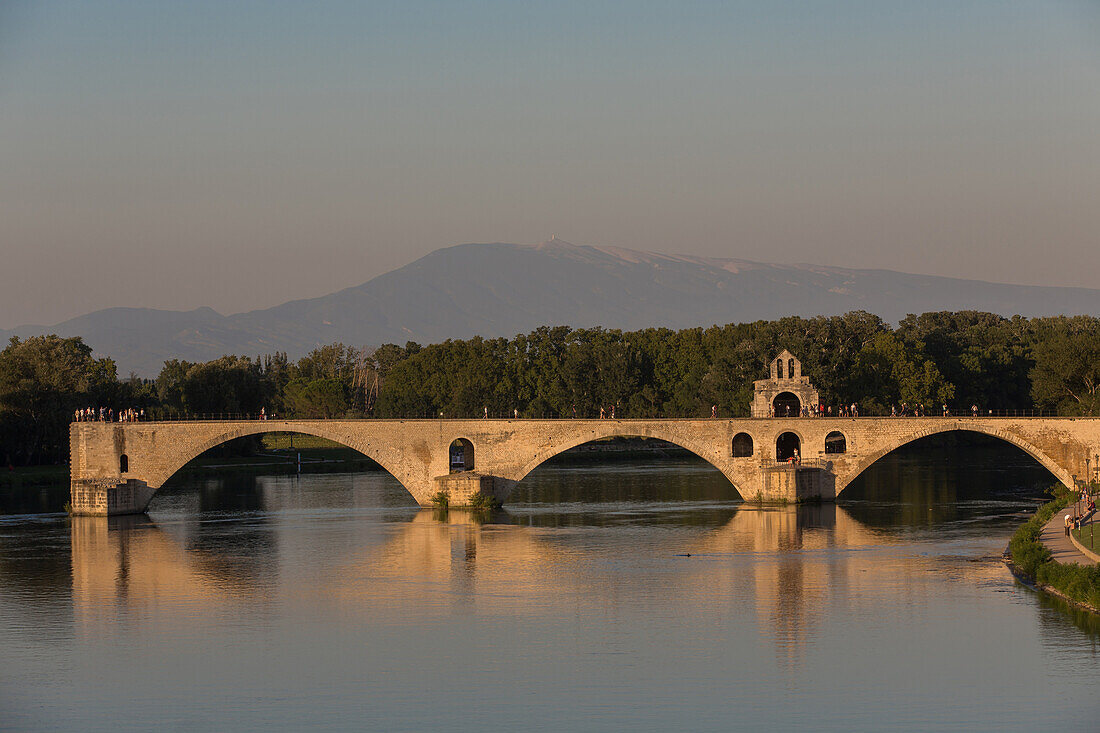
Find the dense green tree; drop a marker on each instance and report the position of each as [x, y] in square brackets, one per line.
[1066, 376]
[318, 398]
[960, 358]
[987, 358]
[43, 381]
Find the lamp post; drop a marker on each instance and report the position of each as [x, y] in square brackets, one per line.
[1075, 503]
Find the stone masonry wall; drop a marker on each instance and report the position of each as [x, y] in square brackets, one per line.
[416, 452]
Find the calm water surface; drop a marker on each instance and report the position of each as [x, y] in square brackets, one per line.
[636, 594]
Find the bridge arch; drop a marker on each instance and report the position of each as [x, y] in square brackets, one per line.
[712, 454]
[183, 453]
[1039, 455]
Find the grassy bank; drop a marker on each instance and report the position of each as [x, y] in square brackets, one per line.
[1088, 536]
[34, 476]
[1080, 583]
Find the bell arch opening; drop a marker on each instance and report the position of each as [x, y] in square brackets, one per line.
[788, 447]
[622, 468]
[742, 445]
[787, 404]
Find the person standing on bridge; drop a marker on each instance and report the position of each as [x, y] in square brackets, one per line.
[515, 413]
[714, 411]
[485, 413]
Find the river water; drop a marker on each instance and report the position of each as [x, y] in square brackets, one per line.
[635, 594]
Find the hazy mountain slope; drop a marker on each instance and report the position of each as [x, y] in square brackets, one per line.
[505, 289]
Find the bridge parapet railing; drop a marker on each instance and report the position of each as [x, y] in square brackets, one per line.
[804, 463]
[246, 416]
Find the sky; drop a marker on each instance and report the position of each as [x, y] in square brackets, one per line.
[239, 155]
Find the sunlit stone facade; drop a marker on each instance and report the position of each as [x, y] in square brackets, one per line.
[784, 382]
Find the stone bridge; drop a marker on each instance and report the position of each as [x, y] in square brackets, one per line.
[117, 467]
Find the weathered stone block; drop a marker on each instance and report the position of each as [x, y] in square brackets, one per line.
[461, 488]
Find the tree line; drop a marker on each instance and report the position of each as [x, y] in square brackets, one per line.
[958, 358]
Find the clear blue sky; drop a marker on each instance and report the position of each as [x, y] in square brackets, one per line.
[178, 154]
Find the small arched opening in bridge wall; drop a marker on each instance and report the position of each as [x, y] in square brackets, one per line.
[787, 446]
[742, 446]
[779, 368]
[461, 456]
[835, 443]
[787, 404]
[124, 463]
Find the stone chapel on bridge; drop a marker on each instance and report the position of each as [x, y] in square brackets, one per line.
[785, 392]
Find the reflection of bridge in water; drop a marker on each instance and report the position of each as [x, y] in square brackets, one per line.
[767, 559]
[116, 468]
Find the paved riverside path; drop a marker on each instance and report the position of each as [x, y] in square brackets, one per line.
[1054, 537]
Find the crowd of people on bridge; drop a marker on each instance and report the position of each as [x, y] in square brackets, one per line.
[852, 410]
[108, 414]
[821, 410]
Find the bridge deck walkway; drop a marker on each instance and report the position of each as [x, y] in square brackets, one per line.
[1054, 537]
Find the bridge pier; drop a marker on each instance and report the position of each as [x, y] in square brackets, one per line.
[108, 497]
[462, 488]
[794, 484]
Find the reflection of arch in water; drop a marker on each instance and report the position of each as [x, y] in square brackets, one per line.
[547, 452]
[131, 561]
[1044, 460]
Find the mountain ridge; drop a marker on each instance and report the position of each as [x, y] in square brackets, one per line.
[501, 289]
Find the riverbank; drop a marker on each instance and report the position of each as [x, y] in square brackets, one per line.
[34, 477]
[1047, 565]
